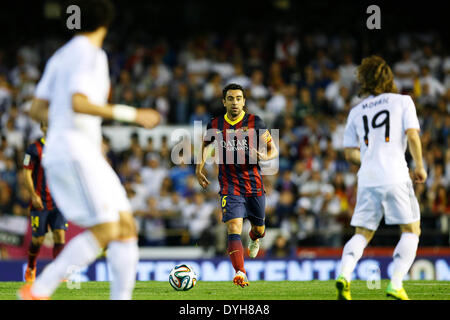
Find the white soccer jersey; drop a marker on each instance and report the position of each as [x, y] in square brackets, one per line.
[77, 67]
[85, 187]
[377, 125]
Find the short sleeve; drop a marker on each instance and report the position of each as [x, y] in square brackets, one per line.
[44, 86]
[259, 124]
[81, 72]
[209, 135]
[30, 157]
[410, 120]
[350, 134]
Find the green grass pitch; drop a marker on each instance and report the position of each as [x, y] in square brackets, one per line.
[258, 290]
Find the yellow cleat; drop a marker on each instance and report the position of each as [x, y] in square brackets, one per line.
[343, 289]
[396, 294]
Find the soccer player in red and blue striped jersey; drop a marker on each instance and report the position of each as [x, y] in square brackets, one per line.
[43, 210]
[242, 141]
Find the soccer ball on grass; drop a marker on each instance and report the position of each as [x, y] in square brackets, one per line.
[182, 277]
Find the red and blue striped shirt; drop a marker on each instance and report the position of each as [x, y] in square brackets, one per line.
[32, 161]
[238, 174]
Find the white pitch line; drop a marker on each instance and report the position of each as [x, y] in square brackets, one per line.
[428, 284]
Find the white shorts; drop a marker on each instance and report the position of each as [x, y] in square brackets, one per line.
[84, 186]
[397, 203]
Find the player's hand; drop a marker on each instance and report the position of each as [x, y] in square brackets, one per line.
[201, 178]
[258, 155]
[148, 118]
[37, 202]
[419, 175]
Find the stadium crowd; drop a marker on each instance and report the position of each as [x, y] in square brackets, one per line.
[302, 85]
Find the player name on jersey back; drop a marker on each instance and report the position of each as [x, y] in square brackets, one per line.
[376, 103]
[377, 126]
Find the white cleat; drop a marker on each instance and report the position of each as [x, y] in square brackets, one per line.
[253, 248]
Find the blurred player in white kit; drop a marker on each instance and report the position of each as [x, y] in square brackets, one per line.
[377, 133]
[72, 94]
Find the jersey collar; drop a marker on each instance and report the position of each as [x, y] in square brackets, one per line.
[235, 121]
[43, 140]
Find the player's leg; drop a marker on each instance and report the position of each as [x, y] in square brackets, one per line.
[402, 208]
[354, 249]
[33, 252]
[256, 214]
[352, 252]
[58, 225]
[38, 230]
[79, 252]
[81, 197]
[59, 241]
[236, 250]
[366, 218]
[404, 255]
[123, 251]
[256, 233]
[233, 214]
[123, 257]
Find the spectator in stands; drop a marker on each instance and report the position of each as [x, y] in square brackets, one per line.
[431, 87]
[304, 229]
[347, 72]
[304, 106]
[223, 66]
[406, 71]
[150, 222]
[239, 76]
[197, 216]
[172, 75]
[179, 175]
[6, 198]
[281, 248]
[153, 174]
[199, 66]
[200, 114]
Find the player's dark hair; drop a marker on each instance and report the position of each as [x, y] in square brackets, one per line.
[232, 86]
[375, 77]
[94, 13]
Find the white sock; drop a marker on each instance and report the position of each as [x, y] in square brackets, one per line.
[123, 257]
[353, 251]
[78, 253]
[404, 255]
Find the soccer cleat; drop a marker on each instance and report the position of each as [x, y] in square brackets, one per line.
[396, 294]
[25, 293]
[343, 289]
[253, 248]
[30, 274]
[240, 279]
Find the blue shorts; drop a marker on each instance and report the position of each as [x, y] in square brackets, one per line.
[40, 220]
[252, 208]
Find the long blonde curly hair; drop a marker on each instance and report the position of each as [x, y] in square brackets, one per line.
[375, 77]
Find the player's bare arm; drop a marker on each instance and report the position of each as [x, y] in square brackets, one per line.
[415, 148]
[35, 198]
[201, 178]
[270, 153]
[147, 118]
[39, 110]
[353, 155]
